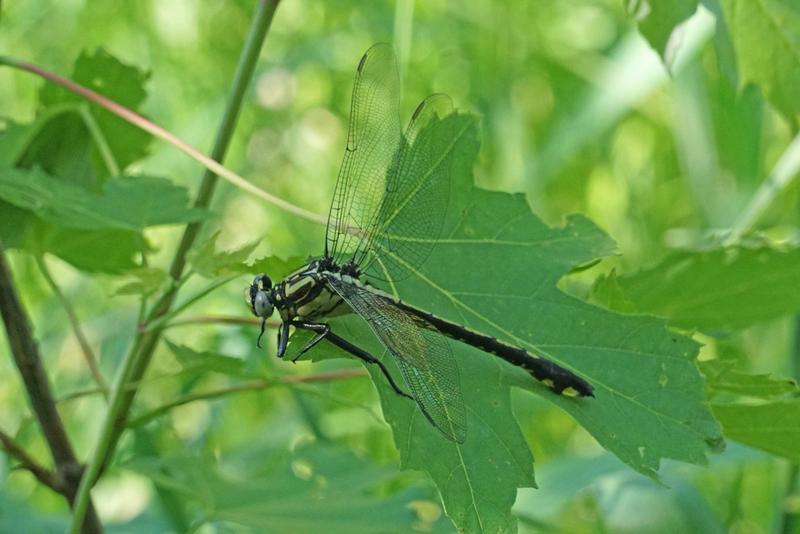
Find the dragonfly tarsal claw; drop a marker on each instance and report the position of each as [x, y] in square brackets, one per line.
[261, 334]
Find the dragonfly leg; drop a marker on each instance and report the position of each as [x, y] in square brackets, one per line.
[283, 339]
[365, 356]
[322, 331]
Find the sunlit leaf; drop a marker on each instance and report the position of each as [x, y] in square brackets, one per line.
[496, 270]
[209, 262]
[145, 281]
[607, 292]
[766, 37]
[722, 376]
[728, 288]
[770, 426]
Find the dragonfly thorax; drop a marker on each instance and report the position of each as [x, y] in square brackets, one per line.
[303, 295]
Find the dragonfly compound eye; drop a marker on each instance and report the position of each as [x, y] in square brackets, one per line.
[262, 304]
[262, 282]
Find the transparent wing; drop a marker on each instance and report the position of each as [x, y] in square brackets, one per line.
[373, 140]
[423, 356]
[410, 220]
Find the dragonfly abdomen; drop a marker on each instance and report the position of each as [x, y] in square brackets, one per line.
[557, 378]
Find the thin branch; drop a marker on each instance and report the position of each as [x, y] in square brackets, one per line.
[100, 140]
[253, 385]
[86, 348]
[158, 323]
[137, 120]
[29, 363]
[42, 474]
[138, 358]
[220, 319]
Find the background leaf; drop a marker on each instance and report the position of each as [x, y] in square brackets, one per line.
[127, 203]
[107, 75]
[208, 262]
[766, 37]
[771, 426]
[315, 488]
[658, 19]
[722, 376]
[726, 288]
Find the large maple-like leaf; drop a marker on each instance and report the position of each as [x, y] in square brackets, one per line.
[496, 270]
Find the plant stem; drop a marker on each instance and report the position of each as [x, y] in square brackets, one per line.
[99, 140]
[219, 319]
[29, 362]
[137, 360]
[42, 474]
[158, 324]
[86, 348]
[778, 180]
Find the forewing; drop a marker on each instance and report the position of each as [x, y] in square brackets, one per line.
[373, 140]
[423, 356]
[414, 207]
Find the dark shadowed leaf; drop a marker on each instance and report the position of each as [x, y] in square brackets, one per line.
[124, 84]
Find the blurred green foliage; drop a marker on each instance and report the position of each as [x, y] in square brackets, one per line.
[662, 134]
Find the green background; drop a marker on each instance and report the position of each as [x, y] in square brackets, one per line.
[658, 132]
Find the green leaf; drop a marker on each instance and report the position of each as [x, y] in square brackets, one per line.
[496, 270]
[312, 489]
[16, 225]
[14, 138]
[124, 84]
[772, 427]
[126, 203]
[607, 292]
[211, 263]
[146, 281]
[196, 362]
[724, 288]
[208, 262]
[93, 251]
[766, 37]
[658, 19]
[143, 201]
[722, 376]
[275, 266]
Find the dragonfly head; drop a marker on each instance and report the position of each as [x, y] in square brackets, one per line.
[259, 296]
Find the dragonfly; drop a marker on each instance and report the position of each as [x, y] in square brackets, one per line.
[391, 183]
